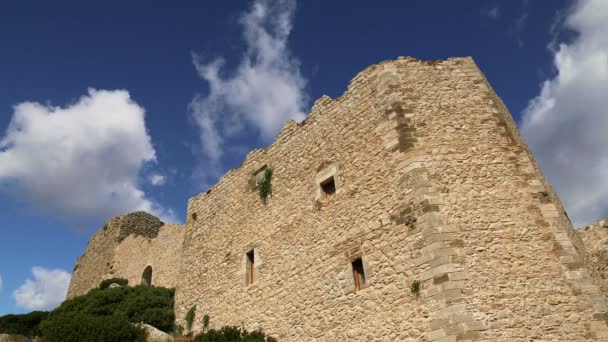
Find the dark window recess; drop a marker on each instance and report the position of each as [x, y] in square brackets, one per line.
[328, 187]
[146, 277]
[250, 267]
[358, 274]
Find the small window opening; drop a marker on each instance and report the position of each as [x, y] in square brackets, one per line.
[358, 274]
[146, 277]
[250, 267]
[328, 187]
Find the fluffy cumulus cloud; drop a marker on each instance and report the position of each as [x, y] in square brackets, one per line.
[45, 291]
[566, 125]
[263, 92]
[81, 161]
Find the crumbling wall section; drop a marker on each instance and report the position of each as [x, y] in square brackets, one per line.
[97, 262]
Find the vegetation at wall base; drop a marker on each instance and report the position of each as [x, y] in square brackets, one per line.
[233, 334]
[109, 314]
[26, 325]
[151, 305]
[190, 318]
[101, 315]
[78, 327]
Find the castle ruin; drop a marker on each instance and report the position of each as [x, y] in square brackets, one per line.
[407, 209]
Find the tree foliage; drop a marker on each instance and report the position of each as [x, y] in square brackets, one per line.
[78, 326]
[26, 325]
[107, 314]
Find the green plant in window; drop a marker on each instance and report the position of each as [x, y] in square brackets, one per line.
[265, 185]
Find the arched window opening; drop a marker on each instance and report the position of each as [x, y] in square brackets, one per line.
[146, 277]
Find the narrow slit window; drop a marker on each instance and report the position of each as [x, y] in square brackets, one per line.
[250, 267]
[358, 274]
[328, 187]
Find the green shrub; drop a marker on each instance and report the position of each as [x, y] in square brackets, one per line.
[78, 327]
[178, 329]
[151, 305]
[26, 325]
[233, 334]
[106, 283]
[190, 318]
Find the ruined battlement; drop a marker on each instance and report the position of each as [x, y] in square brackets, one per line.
[113, 244]
[408, 208]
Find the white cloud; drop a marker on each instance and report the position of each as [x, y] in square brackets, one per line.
[157, 179]
[46, 291]
[493, 12]
[566, 125]
[264, 91]
[82, 161]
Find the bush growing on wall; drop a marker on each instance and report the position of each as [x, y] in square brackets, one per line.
[266, 185]
[106, 283]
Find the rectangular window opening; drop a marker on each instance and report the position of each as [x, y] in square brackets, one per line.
[328, 187]
[358, 273]
[250, 267]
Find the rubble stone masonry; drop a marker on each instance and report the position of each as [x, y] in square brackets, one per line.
[418, 170]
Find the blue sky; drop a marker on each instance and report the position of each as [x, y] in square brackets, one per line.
[109, 107]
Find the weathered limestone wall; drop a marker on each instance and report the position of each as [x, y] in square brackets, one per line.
[434, 184]
[98, 261]
[595, 239]
[162, 253]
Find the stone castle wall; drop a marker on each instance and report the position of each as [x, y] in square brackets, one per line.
[595, 239]
[163, 254]
[433, 184]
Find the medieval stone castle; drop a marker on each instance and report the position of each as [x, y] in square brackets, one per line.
[407, 209]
